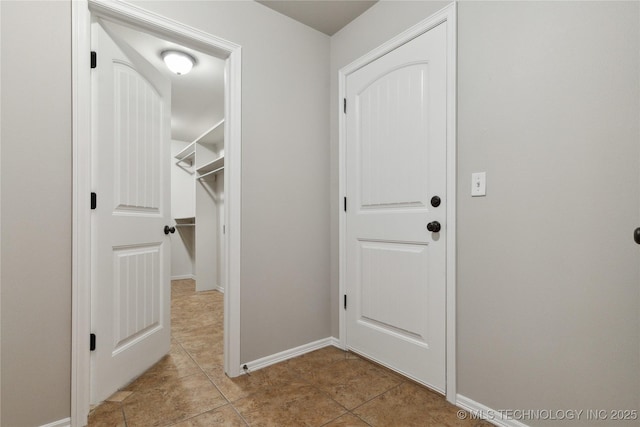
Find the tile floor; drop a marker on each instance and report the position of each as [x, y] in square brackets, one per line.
[327, 387]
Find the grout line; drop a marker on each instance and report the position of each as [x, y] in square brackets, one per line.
[124, 416]
[378, 395]
[239, 414]
[361, 419]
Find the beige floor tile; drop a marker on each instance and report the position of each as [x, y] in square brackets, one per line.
[193, 321]
[225, 416]
[208, 357]
[200, 334]
[177, 364]
[173, 401]
[256, 382]
[182, 287]
[108, 414]
[347, 420]
[292, 405]
[310, 362]
[118, 396]
[411, 405]
[352, 382]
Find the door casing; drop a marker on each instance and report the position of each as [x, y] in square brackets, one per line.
[151, 23]
[448, 15]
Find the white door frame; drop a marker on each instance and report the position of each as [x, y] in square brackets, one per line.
[143, 20]
[448, 15]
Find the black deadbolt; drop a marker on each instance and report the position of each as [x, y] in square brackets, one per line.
[636, 235]
[435, 201]
[168, 229]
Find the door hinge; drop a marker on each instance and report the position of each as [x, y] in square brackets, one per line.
[345, 204]
[345, 301]
[344, 105]
[94, 200]
[92, 342]
[94, 59]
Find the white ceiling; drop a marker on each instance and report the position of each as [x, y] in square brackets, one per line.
[327, 16]
[197, 98]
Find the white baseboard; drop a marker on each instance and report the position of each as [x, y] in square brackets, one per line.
[478, 410]
[220, 289]
[336, 343]
[287, 354]
[183, 276]
[62, 423]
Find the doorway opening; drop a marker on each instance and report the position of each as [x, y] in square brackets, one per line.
[226, 181]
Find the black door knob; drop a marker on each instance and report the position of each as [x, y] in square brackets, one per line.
[435, 201]
[168, 229]
[434, 226]
[636, 235]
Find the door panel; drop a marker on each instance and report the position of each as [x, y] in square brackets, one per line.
[138, 126]
[396, 161]
[392, 128]
[397, 309]
[130, 289]
[137, 290]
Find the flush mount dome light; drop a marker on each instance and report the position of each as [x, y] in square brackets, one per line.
[178, 62]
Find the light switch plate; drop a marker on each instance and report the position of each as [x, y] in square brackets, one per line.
[478, 184]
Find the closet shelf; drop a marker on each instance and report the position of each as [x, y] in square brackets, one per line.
[187, 154]
[190, 220]
[211, 167]
[214, 136]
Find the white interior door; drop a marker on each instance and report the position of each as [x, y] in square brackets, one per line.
[395, 164]
[130, 292]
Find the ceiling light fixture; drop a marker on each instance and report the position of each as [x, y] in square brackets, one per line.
[178, 62]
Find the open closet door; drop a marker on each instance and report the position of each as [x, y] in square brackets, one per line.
[130, 289]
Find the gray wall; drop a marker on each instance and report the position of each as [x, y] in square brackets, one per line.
[547, 268]
[548, 105]
[36, 212]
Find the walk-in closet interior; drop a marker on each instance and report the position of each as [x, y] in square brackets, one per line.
[197, 158]
[197, 181]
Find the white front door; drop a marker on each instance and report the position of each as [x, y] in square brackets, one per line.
[395, 164]
[130, 290]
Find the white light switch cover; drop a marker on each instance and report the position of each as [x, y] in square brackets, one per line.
[479, 184]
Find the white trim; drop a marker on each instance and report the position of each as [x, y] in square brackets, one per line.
[478, 410]
[336, 343]
[452, 227]
[233, 209]
[61, 423]
[184, 276]
[0, 218]
[288, 354]
[141, 19]
[81, 223]
[447, 14]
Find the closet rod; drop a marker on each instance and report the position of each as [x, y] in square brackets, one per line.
[185, 225]
[212, 172]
